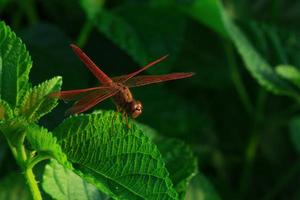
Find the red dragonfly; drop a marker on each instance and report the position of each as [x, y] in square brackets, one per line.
[117, 87]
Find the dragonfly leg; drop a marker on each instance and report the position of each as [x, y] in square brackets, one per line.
[115, 116]
[113, 119]
[125, 118]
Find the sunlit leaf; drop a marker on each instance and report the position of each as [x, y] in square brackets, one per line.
[63, 184]
[45, 144]
[15, 64]
[37, 102]
[290, 73]
[121, 162]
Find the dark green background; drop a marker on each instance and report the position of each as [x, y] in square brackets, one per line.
[246, 152]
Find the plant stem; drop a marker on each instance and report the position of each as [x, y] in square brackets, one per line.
[21, 149]
[250, 155]
[33, 186]
[252, 146]
[29, 176]
[257, 115]
[237, 80]
[20, 155]
[84, 33]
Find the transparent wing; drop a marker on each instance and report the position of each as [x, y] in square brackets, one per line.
[77, 94]
[129, 76]
[89, 100]
[151, 79]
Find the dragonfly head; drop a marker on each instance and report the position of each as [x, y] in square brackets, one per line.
[136, 109]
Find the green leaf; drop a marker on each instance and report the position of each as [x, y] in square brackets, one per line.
[289, 73]
[45, 144]
[13, 187]
[135, 35]
[122, 162]
[201, 189]
[37, 101]
[180, 162]
[5, 110]
[212, 14]
[15, 64]
[14, 130]
[208, 12]
[63, 184]
[92, 7]
[179, 158]
[295, 133]
[277, 44]
[147, 130]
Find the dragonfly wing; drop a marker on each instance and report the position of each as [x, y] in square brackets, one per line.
[129, 76]
[98, 73]
[77, 94]
[150, 79]
[89, 100]
[118, 79]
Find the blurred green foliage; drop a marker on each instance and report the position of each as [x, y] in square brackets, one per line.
[244, 53]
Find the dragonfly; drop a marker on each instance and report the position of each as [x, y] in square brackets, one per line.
[117, 87]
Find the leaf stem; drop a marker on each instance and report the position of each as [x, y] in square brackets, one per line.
[33, 186]
[20, 155]
[84, 33]
[31, 182]
[237, 80]
[36, 160]
[21, 149]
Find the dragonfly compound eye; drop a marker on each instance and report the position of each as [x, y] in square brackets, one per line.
[136, 109]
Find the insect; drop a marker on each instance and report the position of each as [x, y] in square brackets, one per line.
[117, 87]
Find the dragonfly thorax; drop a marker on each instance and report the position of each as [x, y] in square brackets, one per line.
[126, 103]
